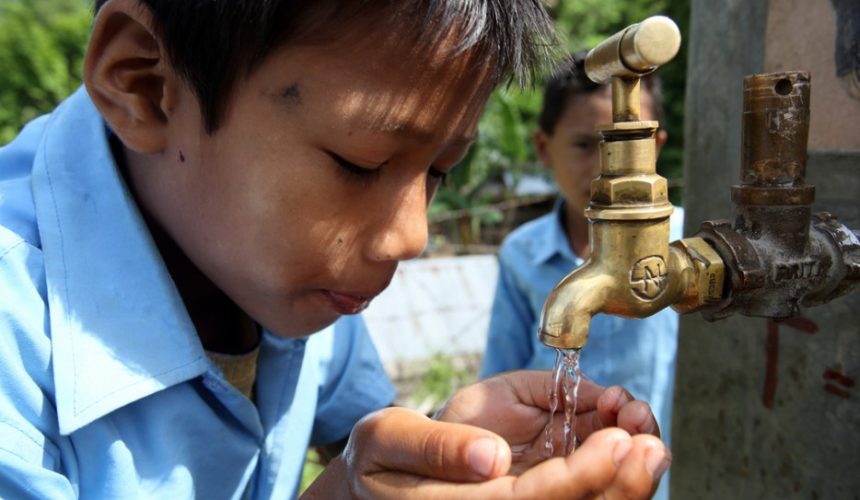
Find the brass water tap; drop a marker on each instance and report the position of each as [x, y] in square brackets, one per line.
[632, 271]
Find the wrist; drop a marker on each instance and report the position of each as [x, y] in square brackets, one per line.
[332, 483]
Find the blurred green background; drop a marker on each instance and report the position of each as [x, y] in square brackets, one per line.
[42, 44]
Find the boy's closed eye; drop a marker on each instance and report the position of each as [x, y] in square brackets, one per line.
[366, 175]
[356, 173]
[585, 144]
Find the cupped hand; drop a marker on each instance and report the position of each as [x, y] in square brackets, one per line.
[398, 453]
[515, 405]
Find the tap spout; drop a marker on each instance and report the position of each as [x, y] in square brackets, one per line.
[633, 272]
[571, 305]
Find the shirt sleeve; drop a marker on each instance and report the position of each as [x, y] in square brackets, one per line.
[354, 382]
[23, 478]
[676, 224]
[508, 342]
[31, 464]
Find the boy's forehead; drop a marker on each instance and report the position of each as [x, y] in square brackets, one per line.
[416, 117]
[411, 104]
[386, 88]
[603, 96]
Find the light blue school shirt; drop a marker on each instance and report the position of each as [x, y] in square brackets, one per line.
[105, 390]
[638, 354]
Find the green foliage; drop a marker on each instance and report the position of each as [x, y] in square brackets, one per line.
[502, 145]
[442, 378]
[312, 469]
[42, 44]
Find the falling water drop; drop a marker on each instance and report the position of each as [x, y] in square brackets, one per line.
[562, 395]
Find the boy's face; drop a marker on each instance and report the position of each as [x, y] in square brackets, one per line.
[572, 152]
[318, 179]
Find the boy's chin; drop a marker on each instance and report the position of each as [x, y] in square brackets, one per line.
[311, 322]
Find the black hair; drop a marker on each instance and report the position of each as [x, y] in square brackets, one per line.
[569, 80]
[212, 43]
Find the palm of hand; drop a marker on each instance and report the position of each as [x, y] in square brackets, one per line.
[519, 413]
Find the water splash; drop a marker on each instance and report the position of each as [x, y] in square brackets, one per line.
[563, 393]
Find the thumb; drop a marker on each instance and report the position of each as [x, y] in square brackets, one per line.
[399, 439]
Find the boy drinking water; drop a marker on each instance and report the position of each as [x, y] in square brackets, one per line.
[178, 238]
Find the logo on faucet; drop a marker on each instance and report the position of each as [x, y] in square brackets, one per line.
[649, 277]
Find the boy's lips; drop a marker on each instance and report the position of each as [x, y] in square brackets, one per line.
[349, 303]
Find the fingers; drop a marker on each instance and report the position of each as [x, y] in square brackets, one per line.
[394, 451]
[406, 441]
[616, 407]
[513, 405]
[636, 418]
[533, 388]
[583, 474]
[641, 470]
[610, 463]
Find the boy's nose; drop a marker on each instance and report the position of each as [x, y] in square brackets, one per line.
[402, 230]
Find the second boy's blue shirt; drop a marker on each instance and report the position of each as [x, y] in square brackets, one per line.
[105, 390]
[638, 354]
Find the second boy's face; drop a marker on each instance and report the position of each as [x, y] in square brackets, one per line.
[572, 151]
[317, 182]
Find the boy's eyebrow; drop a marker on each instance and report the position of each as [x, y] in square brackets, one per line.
[292, 94]
[422, 135]
[585, 135]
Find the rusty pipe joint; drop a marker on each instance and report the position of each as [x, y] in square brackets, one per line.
[779, 256]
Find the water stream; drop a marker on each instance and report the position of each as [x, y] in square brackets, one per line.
[562, 396]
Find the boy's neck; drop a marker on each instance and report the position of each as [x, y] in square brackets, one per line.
[220, 324]
[576, 230]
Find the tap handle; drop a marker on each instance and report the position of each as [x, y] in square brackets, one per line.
[634, 51]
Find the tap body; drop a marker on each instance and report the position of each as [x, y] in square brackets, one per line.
[632, 270]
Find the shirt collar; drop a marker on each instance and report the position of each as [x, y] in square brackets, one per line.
[120, 331]
[552, 240]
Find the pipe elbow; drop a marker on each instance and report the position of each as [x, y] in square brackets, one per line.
[570, 306]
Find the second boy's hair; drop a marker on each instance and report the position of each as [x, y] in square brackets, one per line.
[569, 80]
[212, 43]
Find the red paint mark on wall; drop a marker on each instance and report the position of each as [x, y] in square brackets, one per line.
[842, 393]
[804, 325]
[771, 370]
[838, 377]
[837, 383]
[771, 374]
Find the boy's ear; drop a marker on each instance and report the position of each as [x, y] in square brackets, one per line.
[541, 144]
[128, 76]
[660, 138]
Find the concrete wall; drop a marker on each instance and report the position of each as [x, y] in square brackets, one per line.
[766, 410]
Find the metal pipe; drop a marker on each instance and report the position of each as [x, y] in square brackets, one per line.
[779, 255]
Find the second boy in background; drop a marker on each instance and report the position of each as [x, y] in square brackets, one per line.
[636, 353]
